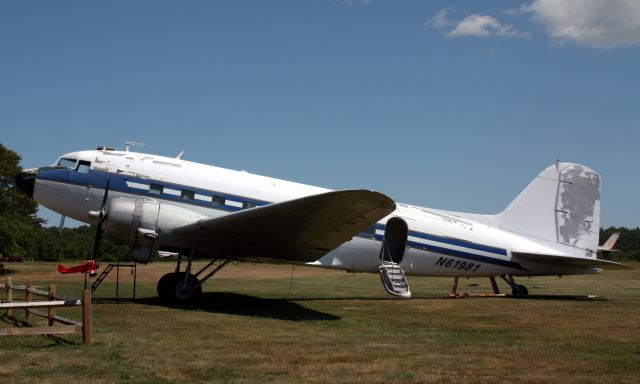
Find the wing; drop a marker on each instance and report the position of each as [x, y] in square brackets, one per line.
[303, 229]
[569, 261]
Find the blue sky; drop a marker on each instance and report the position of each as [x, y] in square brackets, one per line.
[450, 104]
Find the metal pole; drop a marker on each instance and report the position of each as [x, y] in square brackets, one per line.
[135, 273]
[117, 276]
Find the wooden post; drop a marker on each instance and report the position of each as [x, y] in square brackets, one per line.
[454, 290]
[86, 316]
[28, 297]
[52, 310]
[9, 297]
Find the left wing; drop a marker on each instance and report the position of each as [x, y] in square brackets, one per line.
[302, 229]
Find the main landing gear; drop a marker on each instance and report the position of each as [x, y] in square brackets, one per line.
[516, 289]
[180, 287]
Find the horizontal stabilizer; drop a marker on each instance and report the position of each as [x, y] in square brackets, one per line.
[609, 245]
[568, 261]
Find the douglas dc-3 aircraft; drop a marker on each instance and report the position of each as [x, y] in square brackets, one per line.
[162, 204]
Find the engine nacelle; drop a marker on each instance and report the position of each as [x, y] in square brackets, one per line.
[134, 222]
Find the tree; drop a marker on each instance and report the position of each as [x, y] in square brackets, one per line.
[21, 233]
[12, 200]
[18, 222]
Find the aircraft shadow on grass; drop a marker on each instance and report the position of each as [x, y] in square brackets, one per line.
[245, 305]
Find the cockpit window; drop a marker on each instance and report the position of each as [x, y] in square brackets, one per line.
[67, 163]
[83, 166]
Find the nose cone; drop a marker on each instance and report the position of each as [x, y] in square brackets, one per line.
[26, 181]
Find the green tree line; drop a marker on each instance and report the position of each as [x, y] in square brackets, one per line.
[23, 234]
[628, 244]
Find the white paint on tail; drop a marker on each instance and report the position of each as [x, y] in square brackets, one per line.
[561, 206]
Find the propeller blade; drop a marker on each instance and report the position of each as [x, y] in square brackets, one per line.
[106, 194]
[101, 219]
[61, 225]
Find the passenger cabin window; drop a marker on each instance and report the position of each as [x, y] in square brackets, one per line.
[67, 163]
[187, 195]
[83, 166]
[217, 200]
[247, 204]
[155, 189]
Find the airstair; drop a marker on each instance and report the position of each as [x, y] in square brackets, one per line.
[117, 266]
[391, 254]
[394, 280]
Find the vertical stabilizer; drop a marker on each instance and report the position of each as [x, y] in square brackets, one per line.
[561, 205]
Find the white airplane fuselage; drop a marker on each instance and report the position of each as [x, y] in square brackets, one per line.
[439, 243]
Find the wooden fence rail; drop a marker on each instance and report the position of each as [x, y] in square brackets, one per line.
[53, 301]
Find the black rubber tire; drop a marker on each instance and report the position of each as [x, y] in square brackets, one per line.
[521, 290]
[168, 285]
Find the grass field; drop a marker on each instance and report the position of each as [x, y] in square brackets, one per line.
[257, 324]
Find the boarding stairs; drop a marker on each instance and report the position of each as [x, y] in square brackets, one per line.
[101, 277]
[108, 269]
[394, 280]
[391, 273]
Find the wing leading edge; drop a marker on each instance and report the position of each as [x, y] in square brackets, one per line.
[302, 229]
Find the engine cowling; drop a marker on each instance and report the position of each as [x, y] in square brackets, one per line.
[134, 222]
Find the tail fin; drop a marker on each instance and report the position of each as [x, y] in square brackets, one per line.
[561, 205]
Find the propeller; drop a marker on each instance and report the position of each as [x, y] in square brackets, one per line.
[101, 217]
[61, 225]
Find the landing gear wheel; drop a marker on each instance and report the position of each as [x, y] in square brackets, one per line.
[171, 288]
[520, 290]
[165, 285]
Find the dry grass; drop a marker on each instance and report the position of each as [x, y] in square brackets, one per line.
[255, 324]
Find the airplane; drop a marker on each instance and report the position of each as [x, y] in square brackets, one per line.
[166, 206]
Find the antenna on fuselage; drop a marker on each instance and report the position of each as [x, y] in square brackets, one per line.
[180, 155]
[134, 143]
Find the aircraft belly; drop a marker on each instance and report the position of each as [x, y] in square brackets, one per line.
[357, 255]
[363, 255]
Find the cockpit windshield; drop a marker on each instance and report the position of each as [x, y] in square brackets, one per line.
[67, 163]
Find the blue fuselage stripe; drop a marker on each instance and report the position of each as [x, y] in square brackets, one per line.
[450, 241]
[118, 183]
[460, 243]
[460, 254]
[455, 252]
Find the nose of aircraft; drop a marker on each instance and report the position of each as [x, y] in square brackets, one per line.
[26, 181]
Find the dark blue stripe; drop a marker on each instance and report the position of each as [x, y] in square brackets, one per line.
[461, 243]
[462, 254]
[457, 242]
[118, 183]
